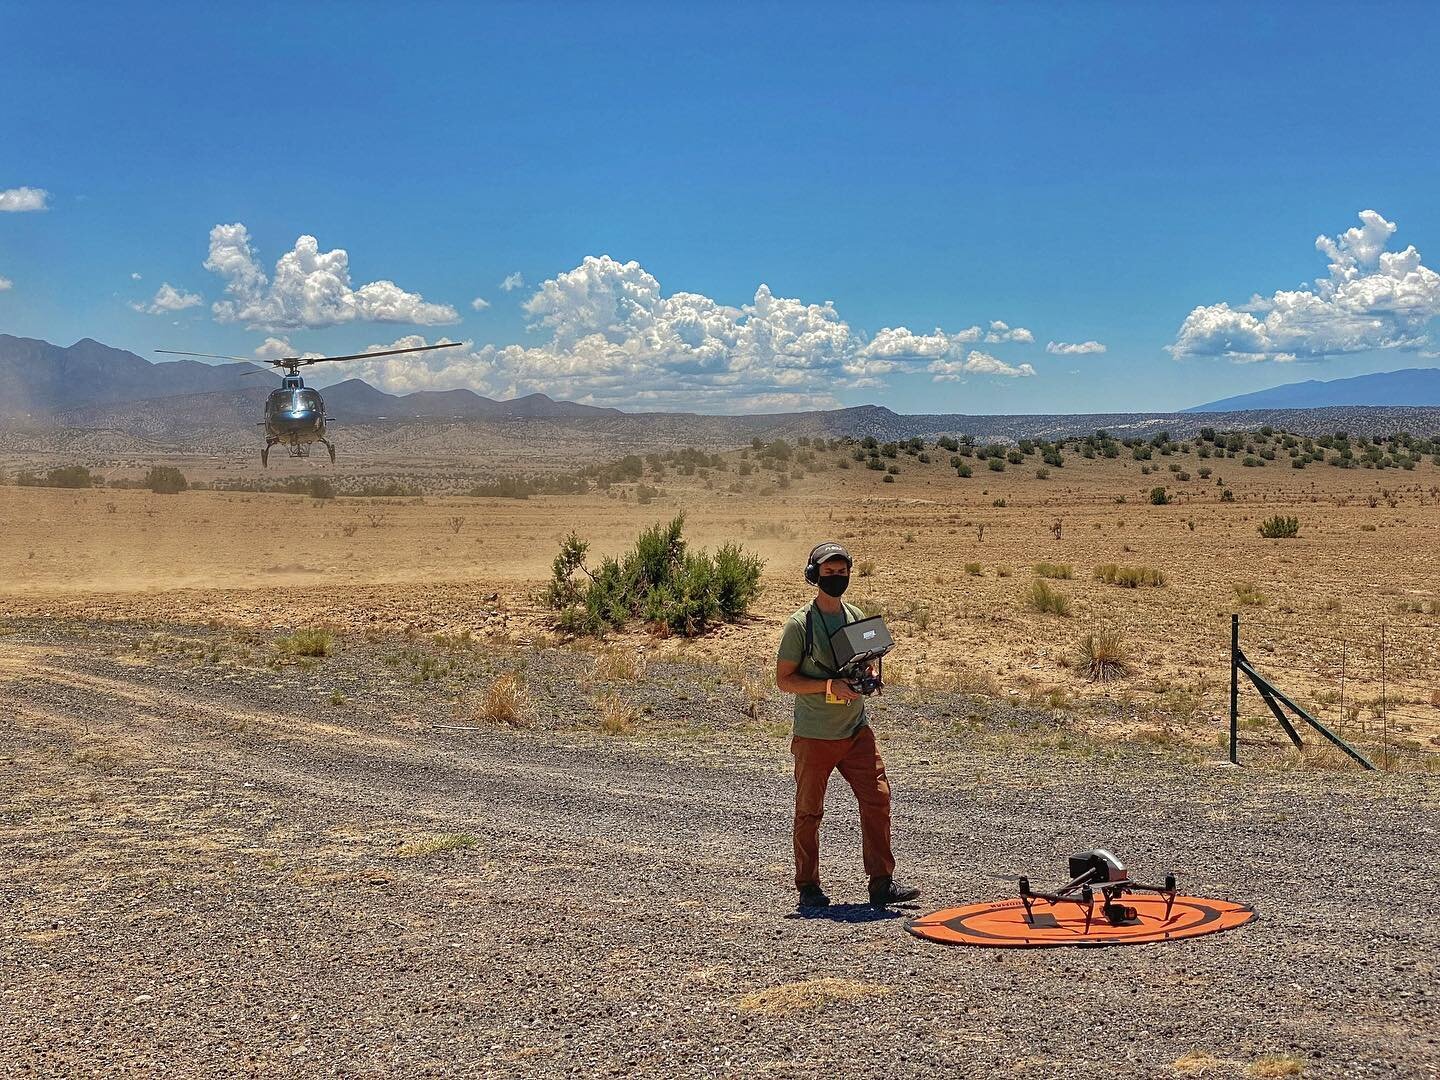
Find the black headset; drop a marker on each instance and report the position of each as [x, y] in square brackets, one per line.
[812, 568]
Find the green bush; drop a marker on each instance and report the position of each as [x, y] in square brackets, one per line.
[66, 476]
[165, 480]
[1053, 570]
[1280, 528]
[657, 580]
[1158, 497]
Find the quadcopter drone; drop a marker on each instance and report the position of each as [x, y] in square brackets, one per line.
[1095, 871]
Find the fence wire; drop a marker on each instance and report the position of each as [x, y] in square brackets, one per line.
[1376, 685]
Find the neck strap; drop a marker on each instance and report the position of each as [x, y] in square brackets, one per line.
[810, 636]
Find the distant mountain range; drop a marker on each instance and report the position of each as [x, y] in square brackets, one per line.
[96, 399]
[38, 379]
[1412, 386]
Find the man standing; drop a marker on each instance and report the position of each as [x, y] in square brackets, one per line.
[831, 732]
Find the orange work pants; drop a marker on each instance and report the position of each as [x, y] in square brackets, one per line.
[859, 763]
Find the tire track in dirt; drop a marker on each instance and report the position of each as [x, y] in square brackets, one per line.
[621, 895]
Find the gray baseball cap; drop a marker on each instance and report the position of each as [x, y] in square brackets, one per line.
[823, 553]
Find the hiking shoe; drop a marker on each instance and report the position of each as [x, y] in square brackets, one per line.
[883, 891]
[812, 896]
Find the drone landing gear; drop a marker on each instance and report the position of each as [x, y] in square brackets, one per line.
[1092, 871]
[331, 447]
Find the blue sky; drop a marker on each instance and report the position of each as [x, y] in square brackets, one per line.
[1086, 172]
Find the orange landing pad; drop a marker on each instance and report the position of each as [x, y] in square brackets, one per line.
[1002, 924]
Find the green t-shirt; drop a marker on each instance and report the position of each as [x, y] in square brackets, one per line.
[815, 718]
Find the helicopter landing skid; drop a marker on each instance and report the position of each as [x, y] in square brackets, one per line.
[265, 453]
[331, 447]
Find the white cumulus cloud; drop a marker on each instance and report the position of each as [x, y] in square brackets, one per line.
[1000, 331]
[479, 303]
[977, 363]
[512, 282]
[22, 200]
[1080, 348]
[168, 299]
[310, 289]
[1371, 299]
[610, 336]
[135, 277]
[6, 283]
[272, 348]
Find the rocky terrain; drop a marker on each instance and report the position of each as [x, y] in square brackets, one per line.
[222, 861]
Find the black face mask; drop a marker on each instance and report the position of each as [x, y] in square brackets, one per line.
[834, 584]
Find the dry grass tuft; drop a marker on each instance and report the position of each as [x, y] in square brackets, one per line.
[754, 683]
[616, 716]
[1129, 577]
[435, 845]
[619, 665]
[1102, 656]
[811, 994]
[1275, 1065]
[1197, 1063]
[1248, 594]
[1063, 571]
[505, 702]
[1042, 598]
[307, 641]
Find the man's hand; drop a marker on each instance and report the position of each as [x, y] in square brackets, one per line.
[841, 689]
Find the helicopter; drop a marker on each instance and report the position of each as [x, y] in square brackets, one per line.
[295, 413]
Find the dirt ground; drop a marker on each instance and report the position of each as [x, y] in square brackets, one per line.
[220, 862]
[223, 857]
[1344, 617]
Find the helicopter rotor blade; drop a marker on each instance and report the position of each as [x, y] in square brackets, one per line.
[368, 355]
[211, 355]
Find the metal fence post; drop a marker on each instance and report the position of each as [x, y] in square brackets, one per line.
[1234, 687]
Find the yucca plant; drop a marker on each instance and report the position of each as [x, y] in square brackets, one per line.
[1102, 656]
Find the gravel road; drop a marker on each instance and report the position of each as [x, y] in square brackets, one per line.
[212, 866]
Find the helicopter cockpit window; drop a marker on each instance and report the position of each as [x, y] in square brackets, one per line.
[302, 401]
